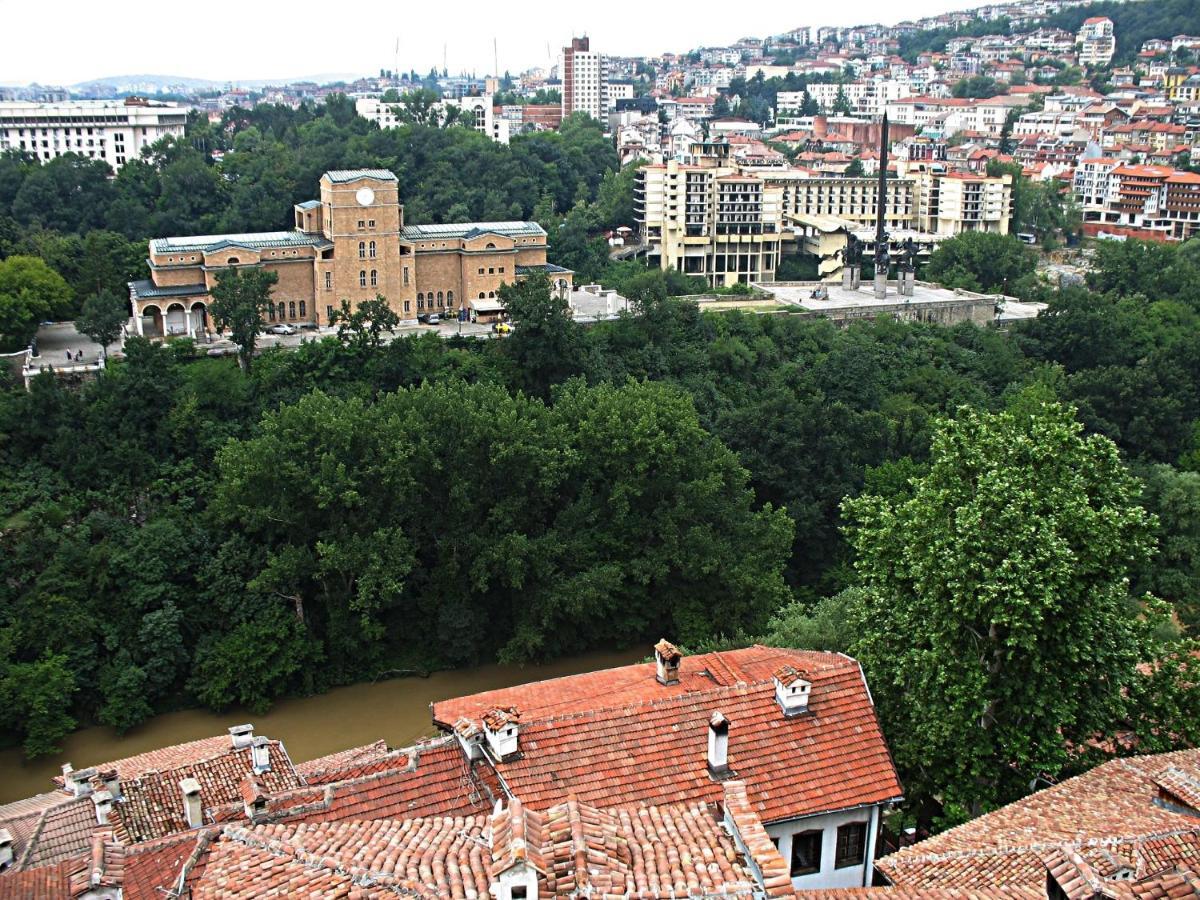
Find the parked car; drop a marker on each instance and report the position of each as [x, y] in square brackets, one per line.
[434, 319]
[423, 318]
[282, 328]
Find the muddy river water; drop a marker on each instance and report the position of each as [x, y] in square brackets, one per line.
[396, 710]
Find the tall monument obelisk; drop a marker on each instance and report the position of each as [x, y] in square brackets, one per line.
[882, 257]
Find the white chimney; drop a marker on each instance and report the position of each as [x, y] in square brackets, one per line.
[242, 735]
[6, 849]
[111, 781]
[104, 804]
[500, 727]
[193, 810]
[666, 662]
[718, 745]
[470, 738]
[260, 755]
[79, 782]
[792, 691]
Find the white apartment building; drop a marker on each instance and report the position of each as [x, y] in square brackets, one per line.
[866, 98]
[113, 131]
[584, 80]
[1097, 42]
[477, 112]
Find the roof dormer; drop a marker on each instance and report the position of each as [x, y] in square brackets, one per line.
[792, 691]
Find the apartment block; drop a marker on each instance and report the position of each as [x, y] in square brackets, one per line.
[583, 80]
[1097, 42]
[710, 220]
[113, 131]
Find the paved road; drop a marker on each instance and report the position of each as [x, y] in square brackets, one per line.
[53, 342]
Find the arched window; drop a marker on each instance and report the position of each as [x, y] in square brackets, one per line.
[490, 246]
[362, 278]
[441, 302]
[371, 251]
[374, 278]
[281, 311]
[233, 261]
[292, 310]
[491, 293]
[420, 301]
[271, 311]
[450, 297]
[362, 249]
[481, 295]
[302, 311]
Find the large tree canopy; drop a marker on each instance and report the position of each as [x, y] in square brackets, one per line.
[998, 628]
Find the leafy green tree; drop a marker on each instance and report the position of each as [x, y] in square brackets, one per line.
[30, 291]
[997, 627]
[979, 261]
[841, 103]
[37, 701]
[363, 326]
[829, 624]
[855, 169]
[546, 344]
[239, 302]
[103, 318]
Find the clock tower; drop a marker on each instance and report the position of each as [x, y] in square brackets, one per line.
[361, 220]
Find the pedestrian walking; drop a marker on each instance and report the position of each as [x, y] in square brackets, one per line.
[79, 356]
[68, 354]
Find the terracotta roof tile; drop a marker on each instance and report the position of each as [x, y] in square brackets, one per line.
[328, 768]
[1109, 816]
[654, 750]
[165, 757]
[151, 805]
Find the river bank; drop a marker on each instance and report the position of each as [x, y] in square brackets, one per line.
[396, 710]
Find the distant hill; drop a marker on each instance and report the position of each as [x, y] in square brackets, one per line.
[162, 82]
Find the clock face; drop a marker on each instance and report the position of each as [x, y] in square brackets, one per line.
[365, 196]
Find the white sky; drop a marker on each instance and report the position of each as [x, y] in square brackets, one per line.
[68, 41]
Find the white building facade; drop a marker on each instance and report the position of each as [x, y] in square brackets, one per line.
[113, 131]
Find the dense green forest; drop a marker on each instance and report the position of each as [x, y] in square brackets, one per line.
[183, 532]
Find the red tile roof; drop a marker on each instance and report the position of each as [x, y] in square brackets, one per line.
[577, 850]
[152, 806]
[335, 766]
[618, 737]
[1115, 806]
[165, 757]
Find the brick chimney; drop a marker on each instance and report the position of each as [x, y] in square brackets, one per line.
[242, 736]
[666, 662]
[6, 849]
[791, 691]
[260, 755]
[718, 745]
[193, 809]
[500, 727]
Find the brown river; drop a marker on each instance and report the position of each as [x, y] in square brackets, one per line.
[396, 710]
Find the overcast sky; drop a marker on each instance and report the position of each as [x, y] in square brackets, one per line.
[55, 42]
